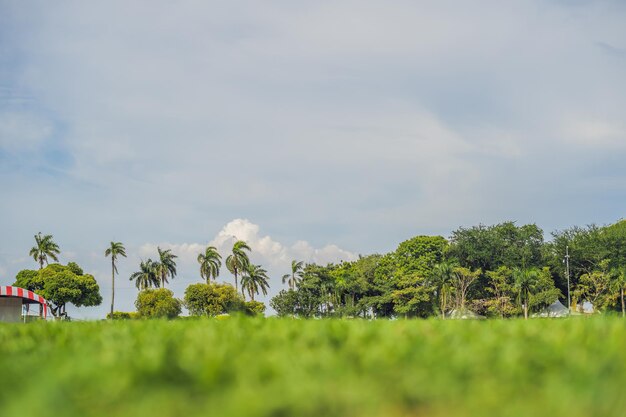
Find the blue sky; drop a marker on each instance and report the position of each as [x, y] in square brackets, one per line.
[317, 131]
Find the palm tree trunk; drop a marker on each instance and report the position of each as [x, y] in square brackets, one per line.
[526, 310]
[236, 280]
[112, 285]
[623, 306]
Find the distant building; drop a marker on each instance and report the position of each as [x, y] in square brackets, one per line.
[13, 300]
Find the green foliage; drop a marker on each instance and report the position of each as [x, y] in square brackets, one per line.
[238, 260]
[44, 248]
[254, 308]
[166, 266]
[311, 368]
[60, 285]
[502, 289]
[122, 315]
[213, 299]
[148, 275]
[210, 262]
[490, 247]
[158, 303]
[285, 303]
[75, 269]
[254, 280]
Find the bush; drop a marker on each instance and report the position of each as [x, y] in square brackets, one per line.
[213, 299]
[158, 303]
[123, 315]
[255, 308]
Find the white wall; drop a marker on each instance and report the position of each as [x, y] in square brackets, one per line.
[10, 309]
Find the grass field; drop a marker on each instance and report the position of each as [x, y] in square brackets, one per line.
[273, 367]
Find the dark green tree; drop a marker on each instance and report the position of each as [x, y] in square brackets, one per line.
[44, 248]
[166, 266]
[210, 262]
[147, 276]
[254, 280]
[238, 260]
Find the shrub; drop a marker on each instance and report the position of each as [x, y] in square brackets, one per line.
[212, 299]
[158, 303]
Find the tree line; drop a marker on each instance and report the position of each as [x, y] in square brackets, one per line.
[501, 270]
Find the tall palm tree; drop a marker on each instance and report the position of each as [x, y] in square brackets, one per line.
[525, 280]
[210, 262]
[147, 276]
[238, 261]
[116, 249]
[295, 276]
[443, 275]
[44, 248]
[253, 280]
[166, 266]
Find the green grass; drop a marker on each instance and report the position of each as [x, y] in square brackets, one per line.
[255, 367]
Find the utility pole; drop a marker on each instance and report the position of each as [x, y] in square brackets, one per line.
[569, 300]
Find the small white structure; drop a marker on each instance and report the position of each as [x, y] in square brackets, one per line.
[463, 314]
[13, 300]
[556, 309]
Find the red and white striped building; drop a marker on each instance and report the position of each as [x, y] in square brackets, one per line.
[13, 299]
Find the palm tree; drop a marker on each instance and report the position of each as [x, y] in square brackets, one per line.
[443, 275]
[238, 261]
[254, 280]
[147, 276]
[210, 262]
[116, 249]
[44, 248]
[166, 265]
[295, 276]
[525, 280]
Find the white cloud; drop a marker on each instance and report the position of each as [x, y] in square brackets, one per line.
[265, 250]
[600, 134]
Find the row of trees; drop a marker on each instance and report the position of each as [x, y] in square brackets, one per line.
[500, 271]
[156, 274]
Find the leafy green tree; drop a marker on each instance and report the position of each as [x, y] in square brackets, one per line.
[586, 251]
[595, 287]
[544, 291]
[442, 276]
[505, 244]
[212, 299]
[463, 279]
[618, 286]
[44, 248]
[158, 303]
[412, 298]
[114, 250]
[238, 261]
[254, 308]
[285, 303]
[525, 280]
[295, 276]
[166, 265]
[501, 288]
[59, 285]
[210, 262]
[254, 280]
[147, 276]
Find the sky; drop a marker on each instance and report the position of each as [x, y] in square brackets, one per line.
[315, 131]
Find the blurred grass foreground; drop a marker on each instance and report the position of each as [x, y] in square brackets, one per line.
[281, 367]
